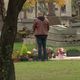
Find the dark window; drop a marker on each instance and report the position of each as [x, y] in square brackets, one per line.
[63, 9]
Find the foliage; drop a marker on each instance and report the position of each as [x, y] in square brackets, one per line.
[73, 52]
[23, 49]
[15, 54]
[49, 1]
[17, 46]
[31, 3]
[60, 2]
[22, 52]
[28, 4]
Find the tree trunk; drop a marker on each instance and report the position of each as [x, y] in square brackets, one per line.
[7, 40]
[51, 9]
[8, 34]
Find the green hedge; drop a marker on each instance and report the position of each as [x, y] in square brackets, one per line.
[73, 52]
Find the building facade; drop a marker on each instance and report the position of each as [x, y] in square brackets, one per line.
[64, 12]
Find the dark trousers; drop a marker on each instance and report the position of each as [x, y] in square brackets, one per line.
[41, 43]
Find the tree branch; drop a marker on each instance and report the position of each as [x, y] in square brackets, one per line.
[20, 4]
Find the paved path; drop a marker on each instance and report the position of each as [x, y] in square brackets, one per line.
[67, 58]
[77, 58]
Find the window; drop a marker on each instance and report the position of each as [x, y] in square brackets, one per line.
[63, 9]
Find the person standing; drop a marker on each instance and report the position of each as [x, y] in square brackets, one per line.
[40, 29]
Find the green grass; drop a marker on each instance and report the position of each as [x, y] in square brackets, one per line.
[18, 46]
[50, 70]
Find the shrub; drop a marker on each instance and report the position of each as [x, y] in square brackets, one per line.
[23, 49]
[26, 52]
[15, 56]
[73, 52]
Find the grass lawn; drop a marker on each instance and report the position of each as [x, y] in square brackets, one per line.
[18, 45]
[50, 70]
